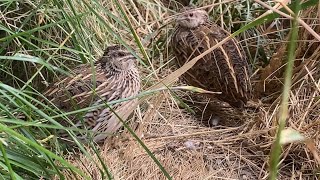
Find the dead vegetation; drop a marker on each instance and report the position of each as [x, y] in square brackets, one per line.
[189, 150]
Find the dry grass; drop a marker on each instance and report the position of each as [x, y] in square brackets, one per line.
[189, 150]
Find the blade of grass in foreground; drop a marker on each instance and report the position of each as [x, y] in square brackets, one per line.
[283, 114]
[133, 32]
[4, 153]
[4, 176]
[27, 138]
[13, 133]
[152, 156]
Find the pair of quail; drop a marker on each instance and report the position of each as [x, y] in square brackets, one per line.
[224, 70]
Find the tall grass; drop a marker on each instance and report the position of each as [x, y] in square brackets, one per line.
[283, 114]
[41, 40]
[55, 37]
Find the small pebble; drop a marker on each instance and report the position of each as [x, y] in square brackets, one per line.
[214, 121]
[190, 145]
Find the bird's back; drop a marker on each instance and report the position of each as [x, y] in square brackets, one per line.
[224, 70]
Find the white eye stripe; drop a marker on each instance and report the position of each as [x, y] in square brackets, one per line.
[119, 53]
[125, 58]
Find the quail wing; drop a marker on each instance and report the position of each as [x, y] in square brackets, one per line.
[224, 70]
[80, 91]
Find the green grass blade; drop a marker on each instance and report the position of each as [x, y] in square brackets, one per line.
[7, 161]
[33, 144]
[283, 114]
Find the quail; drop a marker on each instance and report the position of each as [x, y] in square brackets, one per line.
[116, 77]
[224, 70]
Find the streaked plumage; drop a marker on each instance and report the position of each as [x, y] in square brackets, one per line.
[224, 70]
[116, 77]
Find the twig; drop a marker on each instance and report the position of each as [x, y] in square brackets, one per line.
[300, 21]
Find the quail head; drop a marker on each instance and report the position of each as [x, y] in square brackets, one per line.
[224, 70]
[116, 77]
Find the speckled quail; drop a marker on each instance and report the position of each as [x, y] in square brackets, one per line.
[116, 77]
[224, 70]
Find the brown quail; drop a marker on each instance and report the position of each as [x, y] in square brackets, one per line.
[223, 70]
[116, 77]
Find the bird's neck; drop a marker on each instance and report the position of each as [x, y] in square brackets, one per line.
[112, 68]
[116, 71]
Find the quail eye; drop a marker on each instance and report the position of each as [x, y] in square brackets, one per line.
[121, 54]
[191, 15]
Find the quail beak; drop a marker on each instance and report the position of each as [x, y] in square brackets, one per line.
[182, 19]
